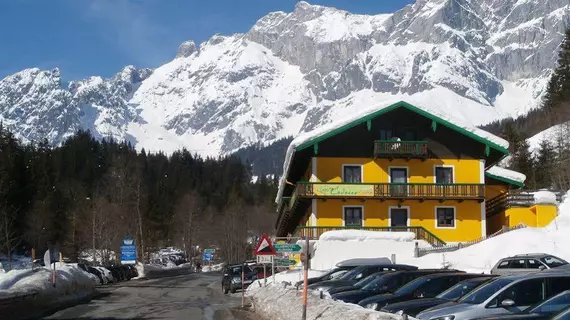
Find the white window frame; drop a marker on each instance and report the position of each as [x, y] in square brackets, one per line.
[399, 167]
[398, 207]
[353, 165]
[454, 217]
[444, 166]
[351, 206]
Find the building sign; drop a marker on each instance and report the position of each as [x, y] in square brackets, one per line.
[128, 251]
[350, 190]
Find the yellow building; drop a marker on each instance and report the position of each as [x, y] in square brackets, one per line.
[398, 167]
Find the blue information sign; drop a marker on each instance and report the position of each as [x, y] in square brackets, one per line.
[128, 251]
[207, 256]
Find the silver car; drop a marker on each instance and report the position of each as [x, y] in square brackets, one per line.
[503, 295]
[527, 263]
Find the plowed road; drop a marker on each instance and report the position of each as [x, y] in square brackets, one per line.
[194, 296]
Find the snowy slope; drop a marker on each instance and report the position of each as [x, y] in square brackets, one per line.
[293, 72]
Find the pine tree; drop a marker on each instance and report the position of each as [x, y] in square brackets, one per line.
[558, 90]
[545, 161]
[523, 162]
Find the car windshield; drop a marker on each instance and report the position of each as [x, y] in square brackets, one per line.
[411, 286]
[484, 292]
[237, 269]
[353, 273]
[554, 304]
[378, 283]
[553, 262]
[460, 289]
[367, 280]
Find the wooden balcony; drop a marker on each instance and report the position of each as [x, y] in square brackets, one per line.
[513, 199]
[385, 191]
[400, 149]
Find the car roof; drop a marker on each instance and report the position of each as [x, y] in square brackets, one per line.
[357, 262]
[537, 275]
[529, 255]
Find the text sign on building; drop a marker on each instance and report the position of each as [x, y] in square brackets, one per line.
[128, 251]
[351, 190]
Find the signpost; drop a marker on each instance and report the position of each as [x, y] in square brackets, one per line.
[265, 253]
[211, 251]
[285, 262]
[288, 248]
[264, 259]
[128, 251]
[207, 256]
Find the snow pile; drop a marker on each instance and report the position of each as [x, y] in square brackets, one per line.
[14, 262]
[552, 239]
[278, 303]
[213, 268]
[363, 235]
[544, 197]
[506, 174]
[336, 246]
[97, 256]
[70, 280]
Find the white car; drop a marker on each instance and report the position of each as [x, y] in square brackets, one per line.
[108, 276]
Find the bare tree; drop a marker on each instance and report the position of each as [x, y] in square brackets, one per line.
[9, 237]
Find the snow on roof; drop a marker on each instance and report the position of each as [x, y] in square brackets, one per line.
[507, 174]
[308, 136]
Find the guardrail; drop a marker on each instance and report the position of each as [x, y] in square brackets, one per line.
[420, 252]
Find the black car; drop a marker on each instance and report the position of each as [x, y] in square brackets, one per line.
[386, 283]
[329, 275]
[424, 287]
[542, 310]
[231, 280]
[360, 284]
[97, 273]
[357, 274]
[413, 307]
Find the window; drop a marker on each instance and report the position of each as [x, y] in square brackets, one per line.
[444, 175]
[553, 262]
[445, 217]
[504, 265]
[557, 285]
[517, 264]
[353, 216]
[352, 174]
[533, 264]
[524, 293]
[385, 135]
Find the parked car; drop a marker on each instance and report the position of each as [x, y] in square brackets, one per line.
[562, 315]
[423, 287]
[388, 282]
[543, 310]
[357, 274]
[231, 280]
[98, 273]
[502, 296]
[116, 272]
[413, 307]
[525, 263]
[107, 274]
[332, 274]
[359, 284]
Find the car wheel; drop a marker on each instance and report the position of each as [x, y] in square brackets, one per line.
[233, 290]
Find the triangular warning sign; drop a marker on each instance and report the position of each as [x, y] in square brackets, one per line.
[264, 247]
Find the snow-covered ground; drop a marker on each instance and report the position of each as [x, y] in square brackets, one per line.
[213, 268]
[97, 256]
[71, 281]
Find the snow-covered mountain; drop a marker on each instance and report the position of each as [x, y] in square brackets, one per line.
[479, 60]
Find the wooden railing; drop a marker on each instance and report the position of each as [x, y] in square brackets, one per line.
[514, 198]
[418, 191]
[400, 149]
[420, 232]
[420, 252]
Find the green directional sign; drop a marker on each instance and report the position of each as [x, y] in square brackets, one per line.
[285, 262]
[288, 247]
[210, 251]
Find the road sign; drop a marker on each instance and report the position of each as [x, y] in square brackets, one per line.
[265, 259]
[207, 256]
[285, 262]
[128, 251]
[288, 247]
[212, 251]
[264, 247]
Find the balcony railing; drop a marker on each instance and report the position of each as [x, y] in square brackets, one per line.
[402, 191]
[400, 149]
[514, 198]
[421, 233]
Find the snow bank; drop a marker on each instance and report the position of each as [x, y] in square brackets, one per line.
[213, 268]
[552, 239]
[506, 174]
[544, 197]
[70, 280]
[362, 235]
[278, 303]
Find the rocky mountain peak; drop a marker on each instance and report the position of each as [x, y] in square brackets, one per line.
[186, 49]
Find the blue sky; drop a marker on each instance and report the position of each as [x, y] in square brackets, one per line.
[99, 37]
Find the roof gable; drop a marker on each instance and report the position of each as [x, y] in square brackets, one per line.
[479, 135]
